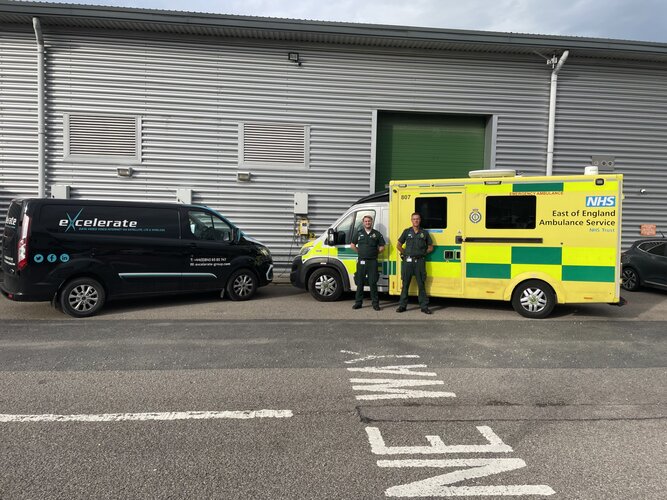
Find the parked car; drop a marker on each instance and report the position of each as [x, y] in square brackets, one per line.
[81, 253]
[645, 264]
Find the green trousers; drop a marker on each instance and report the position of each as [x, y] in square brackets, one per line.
[367, 271]
[418, 270]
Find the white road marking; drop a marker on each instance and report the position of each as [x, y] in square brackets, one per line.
[438, 486]
[468, 468]
[123, 417]
[392, 388]
[394, 370]
[437, 446]
[372, 357]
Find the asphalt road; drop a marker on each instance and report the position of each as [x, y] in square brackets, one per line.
[571, 407]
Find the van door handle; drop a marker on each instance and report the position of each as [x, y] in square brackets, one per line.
[459, 239]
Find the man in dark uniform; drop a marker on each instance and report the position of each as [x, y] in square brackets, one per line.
[418, 244]
[368, 243]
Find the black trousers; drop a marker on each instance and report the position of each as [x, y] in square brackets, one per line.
[418, 270]
[367, 271]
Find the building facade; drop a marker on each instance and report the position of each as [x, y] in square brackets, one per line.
[245, 114]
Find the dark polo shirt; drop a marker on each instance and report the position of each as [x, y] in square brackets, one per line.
[368, 243]
[416, 244]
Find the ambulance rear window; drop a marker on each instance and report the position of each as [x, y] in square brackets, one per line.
[433, 211]
[510, 212]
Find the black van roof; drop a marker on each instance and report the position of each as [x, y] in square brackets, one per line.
[113, 203]
[375, 197]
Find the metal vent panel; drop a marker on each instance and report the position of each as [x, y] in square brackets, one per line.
[101, 135]
[268, 143]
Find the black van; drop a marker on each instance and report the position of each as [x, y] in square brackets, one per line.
[80, 253]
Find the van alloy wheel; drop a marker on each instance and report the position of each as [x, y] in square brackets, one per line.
[82, 297]
[242, 285]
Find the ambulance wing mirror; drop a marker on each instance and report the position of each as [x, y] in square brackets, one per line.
[331, 237]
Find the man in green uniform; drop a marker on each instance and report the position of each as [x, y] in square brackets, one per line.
[418, 244]
[368, 243]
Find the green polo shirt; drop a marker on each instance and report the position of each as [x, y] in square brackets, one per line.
[416, 244]
[368, 243]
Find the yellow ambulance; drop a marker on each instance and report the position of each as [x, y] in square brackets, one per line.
[533, 241]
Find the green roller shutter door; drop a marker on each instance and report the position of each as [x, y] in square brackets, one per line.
[427, 146]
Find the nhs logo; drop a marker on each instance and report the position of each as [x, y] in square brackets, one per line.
[600, 201]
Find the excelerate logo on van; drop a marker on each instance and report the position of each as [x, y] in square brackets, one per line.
[76, 223]
[10, 221]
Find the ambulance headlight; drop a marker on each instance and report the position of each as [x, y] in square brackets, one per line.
[304, 251]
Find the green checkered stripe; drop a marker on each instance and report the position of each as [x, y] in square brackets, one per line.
[437, 255]
[542, 256]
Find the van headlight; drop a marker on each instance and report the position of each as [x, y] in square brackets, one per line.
[265, 251]
[304, 251]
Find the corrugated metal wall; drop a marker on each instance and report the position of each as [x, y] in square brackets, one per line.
[620, 111]
[18, 117]
[192, 94]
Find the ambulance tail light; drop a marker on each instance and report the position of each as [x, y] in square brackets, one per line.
[22, 249]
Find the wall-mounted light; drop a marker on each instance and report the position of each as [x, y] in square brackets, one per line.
[124, 171]
[243, 176]
[294, 57]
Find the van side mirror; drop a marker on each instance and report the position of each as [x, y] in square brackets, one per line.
[235, 234]
[331, 237]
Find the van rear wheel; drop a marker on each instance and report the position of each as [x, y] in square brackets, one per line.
[82, 297]
[242, 285]
[534, 299]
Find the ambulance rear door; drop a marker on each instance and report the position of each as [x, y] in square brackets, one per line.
[442, 212]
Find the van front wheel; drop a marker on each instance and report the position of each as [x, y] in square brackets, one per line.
[325, 285]
[82, 297]
[534, 299]
[242, 285]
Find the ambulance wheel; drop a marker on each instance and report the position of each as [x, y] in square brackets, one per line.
[630, 279]
[242, 285]
[82, 297]
[534, 299]
[325, 285]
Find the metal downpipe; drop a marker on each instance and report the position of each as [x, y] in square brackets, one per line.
[552, 112]
[41, 126]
